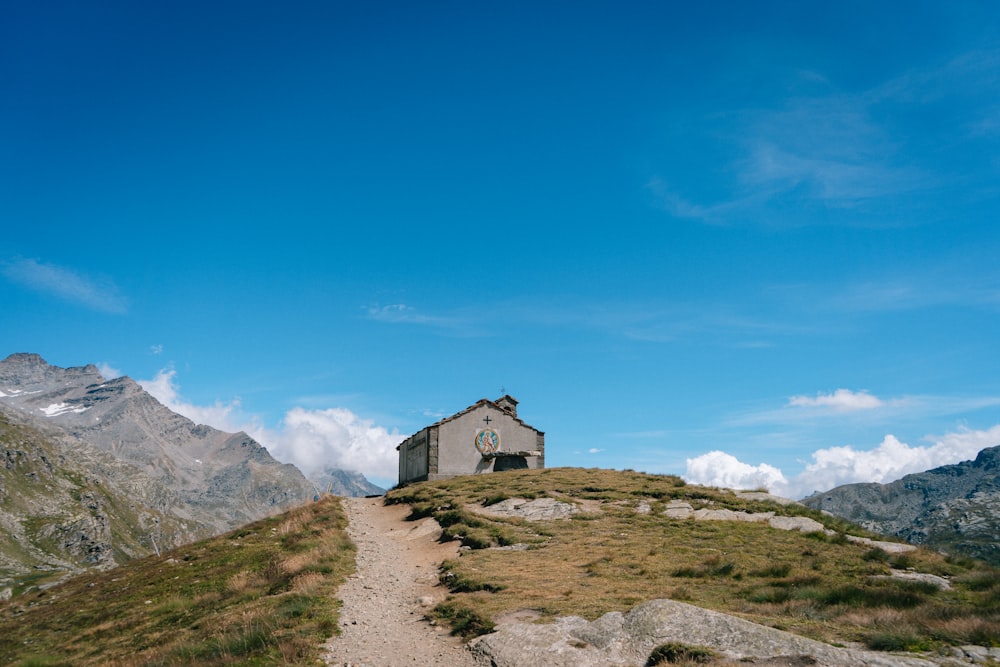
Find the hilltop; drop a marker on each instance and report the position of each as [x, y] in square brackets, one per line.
[539, 548]
[627, 538]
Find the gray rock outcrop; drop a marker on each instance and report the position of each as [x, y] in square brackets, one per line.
[628, 639]
[539, 509]
[764, 496]
[681, 509]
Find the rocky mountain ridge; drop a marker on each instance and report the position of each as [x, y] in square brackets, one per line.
[231, 476]
[337, 482]
[97, 471]
[66, 506]
[954, 508]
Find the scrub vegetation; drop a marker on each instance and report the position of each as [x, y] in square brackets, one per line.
[260, 595]
[611, 556]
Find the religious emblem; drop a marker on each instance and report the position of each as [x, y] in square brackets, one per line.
[487, 441]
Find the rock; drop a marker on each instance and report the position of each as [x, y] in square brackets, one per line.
[520, 546]
[802, 524]
[978, 654]
[764, 497]
[923, 577]
[888, 547]
[617, 639]
[731, 515]
[678, 509]
[540, 509]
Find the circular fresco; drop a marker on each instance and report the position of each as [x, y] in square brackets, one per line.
[487, 441]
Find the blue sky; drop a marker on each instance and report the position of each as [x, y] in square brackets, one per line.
[754, 244]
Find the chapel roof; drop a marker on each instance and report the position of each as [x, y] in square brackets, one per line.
[486, 402]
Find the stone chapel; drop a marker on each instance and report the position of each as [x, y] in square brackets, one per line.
[487, 436]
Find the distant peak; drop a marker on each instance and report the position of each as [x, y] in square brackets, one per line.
[988, 458]
[26, 358]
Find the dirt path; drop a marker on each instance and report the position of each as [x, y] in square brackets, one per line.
[381, 621]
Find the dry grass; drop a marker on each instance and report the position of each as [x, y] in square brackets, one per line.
[260, 595]
[615, 558]
[309, 583]
[298, 562]
[242, 581]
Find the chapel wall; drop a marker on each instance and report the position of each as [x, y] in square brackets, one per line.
[457, 444]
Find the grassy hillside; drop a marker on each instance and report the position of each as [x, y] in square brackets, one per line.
[259, 595]
[612, 557]
[266, 594]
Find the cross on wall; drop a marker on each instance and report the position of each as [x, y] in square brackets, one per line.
[487, 420]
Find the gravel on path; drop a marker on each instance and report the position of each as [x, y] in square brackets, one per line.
[382, 620]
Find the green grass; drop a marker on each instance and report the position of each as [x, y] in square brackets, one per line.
[259, 595]
[609, 557]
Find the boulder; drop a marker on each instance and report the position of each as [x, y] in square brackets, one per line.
[628, 639]
[678, 509]
[765, 497]
[540, 509]
[802, 524]
[888, 547]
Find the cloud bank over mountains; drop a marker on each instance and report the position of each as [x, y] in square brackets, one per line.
[316, 440]
[832, 466]
[313, 440]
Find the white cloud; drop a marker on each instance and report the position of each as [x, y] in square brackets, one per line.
[400, 313]
[396, 313]
[842, 400]
[890, 460]
[718, 468]
[96, 293]
[465, 323]
[156, 350]
[833, 466]
[108, 372]
[312, 440]
[821, 147]
[315, 440]
[594, 450]
[223, 416]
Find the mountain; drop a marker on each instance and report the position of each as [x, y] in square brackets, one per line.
[97, 471]
[230, 475]
[345, 483]
[65, 506]
[954, 508]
